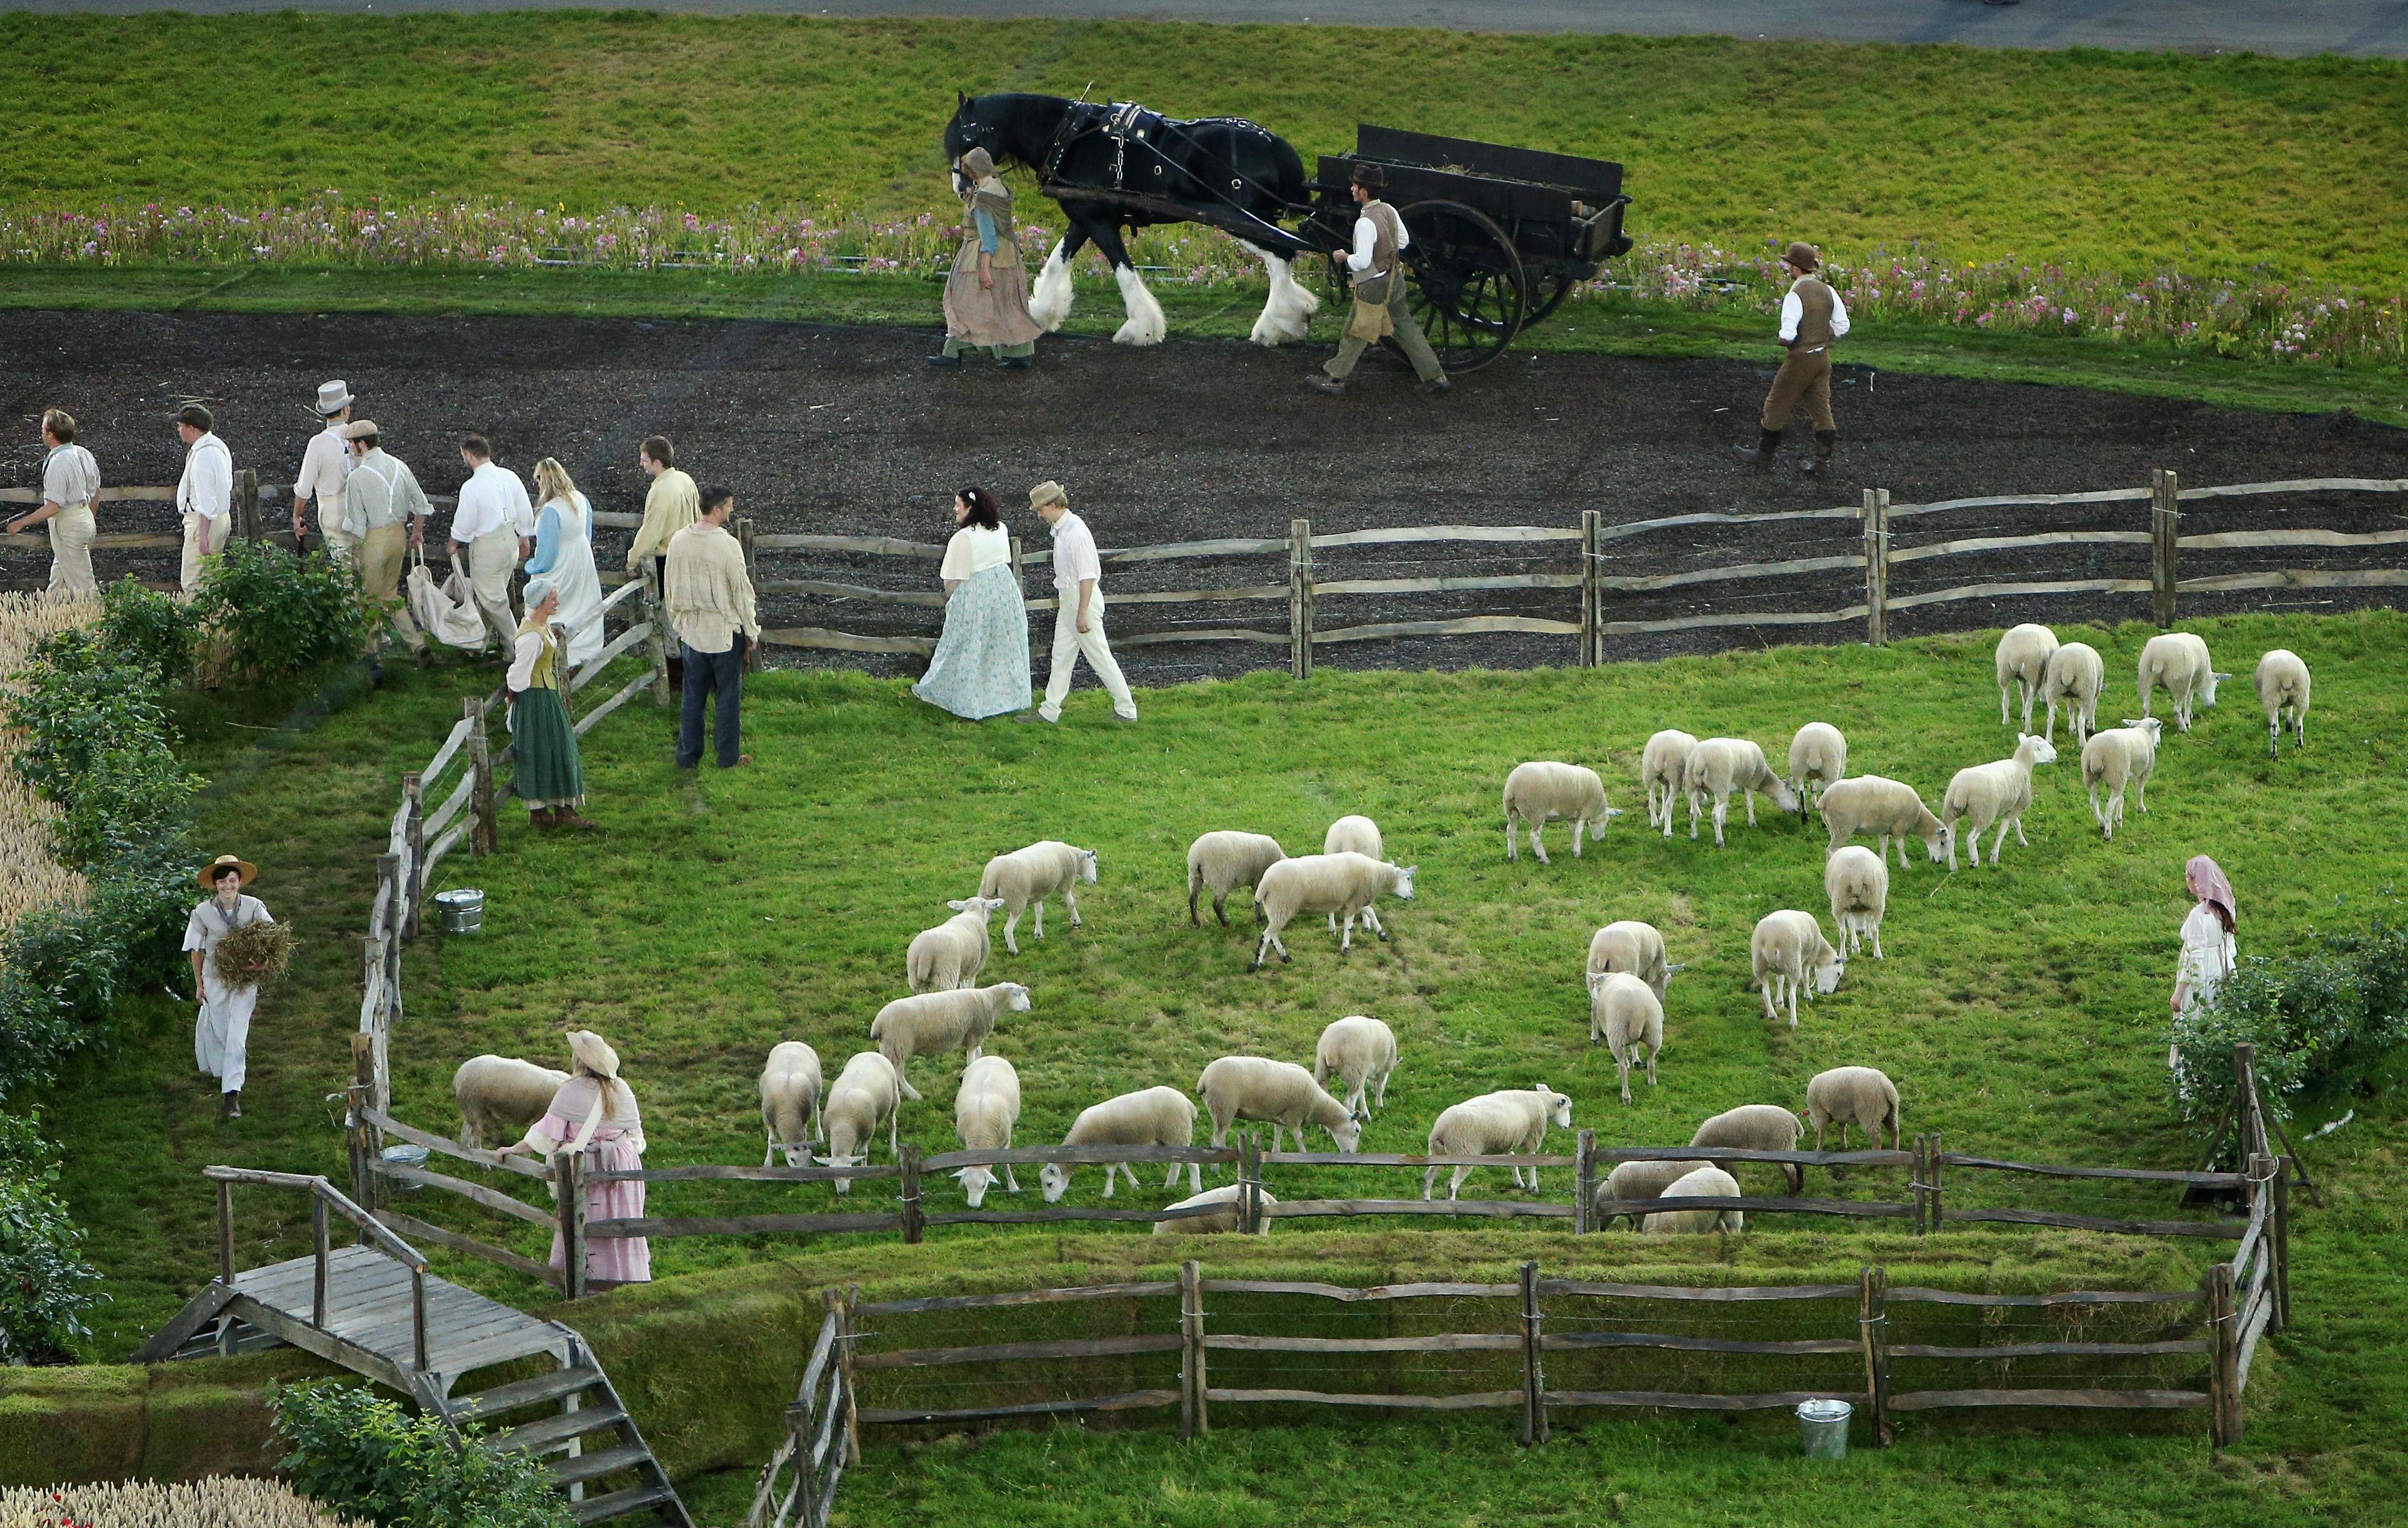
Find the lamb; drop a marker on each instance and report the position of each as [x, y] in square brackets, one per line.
[1786, 948]
[1641, 1180]
[1852, 1095]
[2178, 660]
[1659, 775]
[1026, 877]
[1200, 1225]
[1756, 1127]
[1151, 1117]
[789, 1103]
[1627, 1014]
[2076, 674]
[1343, 884]
[952, 954]
[1536, 793]
[1707, 1182]
[867, 1094]
[2282, 682]
[1887, 810]
[1361, 1052]
[1857, 879]
[1994, 793]
[1355, 835]
[931, 1022]
[1512, 1122]
[1818, 759]
[984, 1111]
[1222, 862]
[2024, 653]
[1278, 1091]
[2121, 758]
[1719, 767]
[499, 1096]
[1631, 945]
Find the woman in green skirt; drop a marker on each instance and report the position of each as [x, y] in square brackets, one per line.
[549, 777]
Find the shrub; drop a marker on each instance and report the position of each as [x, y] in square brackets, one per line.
[278, 614]
[151, 630]
[80, 702]
[45, 1284]
[360, 1454]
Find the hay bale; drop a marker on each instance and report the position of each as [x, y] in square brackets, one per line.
[219, 1502]
[254, 954]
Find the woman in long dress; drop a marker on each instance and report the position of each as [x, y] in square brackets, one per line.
[987, 295]
[980, 667]
[549, 775]
[563, 557]
[2209, 951]
[221, 1029]
[595, 1113]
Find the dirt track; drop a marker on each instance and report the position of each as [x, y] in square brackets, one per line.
[846, 431]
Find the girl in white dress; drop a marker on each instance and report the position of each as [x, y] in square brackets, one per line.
[2208, 949]
[563, 557]
[221, 1031]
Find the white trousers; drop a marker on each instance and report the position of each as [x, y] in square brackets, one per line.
[71, 533]
[341, 545]
[221, 1034]
[193, 558]
[492, 559]
[1071, 643]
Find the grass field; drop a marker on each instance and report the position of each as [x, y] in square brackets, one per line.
[2113, 160]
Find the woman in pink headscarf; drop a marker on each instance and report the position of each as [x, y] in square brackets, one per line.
[2208, 950]
[595, 1113]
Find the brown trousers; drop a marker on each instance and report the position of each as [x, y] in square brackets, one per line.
[1802, 379]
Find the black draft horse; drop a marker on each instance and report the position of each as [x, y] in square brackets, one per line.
[1224, 172]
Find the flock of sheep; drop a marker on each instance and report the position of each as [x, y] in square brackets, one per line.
[1627, 970]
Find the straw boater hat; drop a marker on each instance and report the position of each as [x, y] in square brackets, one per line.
[594, 1053]
[333, 398]
[1048, 491]
[209, 872]
[1801, 256]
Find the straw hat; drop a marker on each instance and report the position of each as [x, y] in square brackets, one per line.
[594, 1053]
[333, 398]
[209, 872]
[1048, 491]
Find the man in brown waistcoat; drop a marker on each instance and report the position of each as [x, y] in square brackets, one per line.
[1812, 317]
[1378, 265]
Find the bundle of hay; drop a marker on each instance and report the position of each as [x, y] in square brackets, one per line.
[219, 1502]
[255, 954]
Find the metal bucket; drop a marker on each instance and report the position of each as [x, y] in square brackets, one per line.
[464, 910]
[1825, 1424]
[406, 1156]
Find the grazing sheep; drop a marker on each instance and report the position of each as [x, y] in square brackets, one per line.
[1631, 945]
[1279, 1092]
[1994, 793]
[1818, 759]
[868, 1093]
[1787, 948]
[1853, 1095]
[1026, 877]
[1343, 884]
[2024, 653]
[952, 954]
[1222, 862]
[2282, 689]
[2076, 674]
[2178, 660]
[984, 1111]
[499, 1096]
[1641, 1180]
[1659, 775]
[1707, 1182]
[789, 1103]
[1887, 810]
[1536, 793]
[2121, 758]
[1355, 835]
[1625, 1012]
[1757, 1127]
[1361, 1052]
[1857, 879]
[1204, 1226]
[1513, 1123]
[1721, 765]
[1150, 1117]
[932, 1022]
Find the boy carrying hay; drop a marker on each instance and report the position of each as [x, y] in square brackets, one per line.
[235, 946]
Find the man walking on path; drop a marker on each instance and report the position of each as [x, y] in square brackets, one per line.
[1079, 610]
[324, 466]
[205, 493]
[709, 600]
[383, 500]
[70, 488]
[494, 521]
[1377, 262]
[1812, 317]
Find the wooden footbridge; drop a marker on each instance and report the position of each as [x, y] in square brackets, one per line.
[375, 1310]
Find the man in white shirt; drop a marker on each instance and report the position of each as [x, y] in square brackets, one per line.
[204, 494]
[1377, 262]
[707, 596]
[70, 487]
[1812, 317]
[1079, 610]
[324, 467]
[493, 524]
[382, 499]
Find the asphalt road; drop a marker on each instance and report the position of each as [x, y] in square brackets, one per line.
[2364, 28]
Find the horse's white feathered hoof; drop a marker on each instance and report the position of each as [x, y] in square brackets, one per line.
[1048, 301]
[1140, 331]
[1146, 324]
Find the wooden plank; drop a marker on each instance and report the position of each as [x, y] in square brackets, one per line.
[1040, 1216]
[1379, 1291]
[606, 519]
[1392, 1159]
[443, 1146]
[709, 1172]
[1683, 1292]
[2371, 577]
[876, 546]
[2011, 543]
[626, 641]
[198, 1312]
[1472, 1401]
[1002, 1352]
[301, 1334]
[1135, 1400]
[828, 589]
[2075, 1297]
[1494, 1209]
[2002, 501]
[411, 1226]
[1235, 546]
[1578, 1341]
[2142, 1175]
[1677, 1401]
[1461, 626]
[2222, 540]
[1737, 570]
[1856, 1209]
[1019, 1297]
[1445, 1342]
[1438, 585]
[2021, 591]
[1083, 1156]
[1215, 634]
[452, 744]
[1732, 1154]
[453, 805]
[821, 1353]
[2121, 1400]
[1640, 527]
[1187, 596]
[523, 1392]
[493, 1199]
[2051, 1349]
[2253, 1326]
[824, 637]
[1416, 535]
[739, 1225]
[633, 688]
[442, 848]
[2303, 485]
[2219, 1229]
[1699, 622]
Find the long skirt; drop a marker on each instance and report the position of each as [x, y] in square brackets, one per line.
[980, 668]
[976, 315]
[621, 1260]
[549, 772]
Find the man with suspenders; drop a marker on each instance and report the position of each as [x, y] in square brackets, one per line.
[1377, 262]
[385, 514]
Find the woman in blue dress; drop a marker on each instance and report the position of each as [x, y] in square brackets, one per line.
[563, 557]
[980, 667]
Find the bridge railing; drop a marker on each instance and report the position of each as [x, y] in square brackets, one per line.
[325, 1201]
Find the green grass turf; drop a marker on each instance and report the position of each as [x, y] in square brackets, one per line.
[2120, 161]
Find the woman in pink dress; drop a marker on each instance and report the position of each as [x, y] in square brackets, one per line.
[595, 1113]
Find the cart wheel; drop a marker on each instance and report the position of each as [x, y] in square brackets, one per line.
[1547, 293]
[1470, 292]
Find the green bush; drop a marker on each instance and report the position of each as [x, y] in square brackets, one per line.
[357, 1452]
[279, 614]
[45, 1284]
[152, 630]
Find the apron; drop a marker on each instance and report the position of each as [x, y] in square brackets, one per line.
[1371, 320]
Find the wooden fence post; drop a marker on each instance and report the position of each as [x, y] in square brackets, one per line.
[744, 539]
[1921, 1184]
[1583, 1183]
[1938, 1205]
[2165, 531]
[1872, 1322]
[366, 1139]
[226, 1231]
[246, 506]
[1193, 1422]
[484, 830]
[1592, 592]
[2280, 1231]
[845, 1339]
[568, 1178]
[413, 873]
[2249, 1115]
[1876, 518]
[2223, 1379]
[914, 1221]
[1534, 1380]
[656, 621]
[1250, 1183]
[1299, 599]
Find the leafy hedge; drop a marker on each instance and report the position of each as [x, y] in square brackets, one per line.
[359, 1453]
[275, 614]
[45, 1284]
